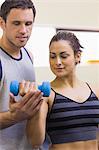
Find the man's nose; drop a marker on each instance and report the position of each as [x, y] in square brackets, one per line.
[23, 29]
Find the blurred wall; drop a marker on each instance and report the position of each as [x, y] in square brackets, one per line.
[68, 13]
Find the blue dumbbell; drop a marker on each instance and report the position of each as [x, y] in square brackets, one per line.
[45, 88]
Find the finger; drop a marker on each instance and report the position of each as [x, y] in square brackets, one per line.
[26, 87]
[34, 110]
[24, 100]
[11, 101]
[21, 88]
[35, 99]
[12, 98]
[32, 86]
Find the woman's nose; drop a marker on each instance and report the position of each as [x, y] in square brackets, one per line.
[58, 61]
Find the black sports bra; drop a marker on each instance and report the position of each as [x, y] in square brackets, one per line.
[70, 121]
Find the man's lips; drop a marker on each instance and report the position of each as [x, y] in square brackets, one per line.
[22, 37]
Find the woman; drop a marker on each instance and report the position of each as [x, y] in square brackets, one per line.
[71, 113]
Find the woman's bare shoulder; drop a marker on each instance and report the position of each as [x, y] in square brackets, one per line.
[95, 88]
[51, 99]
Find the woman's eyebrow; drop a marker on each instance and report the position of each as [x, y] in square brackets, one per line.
[63, 52]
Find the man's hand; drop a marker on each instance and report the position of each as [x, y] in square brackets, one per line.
[26, 107]
[23, 109]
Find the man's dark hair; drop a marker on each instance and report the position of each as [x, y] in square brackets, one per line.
[20, 4]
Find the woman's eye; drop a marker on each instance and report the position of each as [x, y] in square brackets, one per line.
[64, 56]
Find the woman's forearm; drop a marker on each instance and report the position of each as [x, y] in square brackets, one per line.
[35, 132]
[36, 126]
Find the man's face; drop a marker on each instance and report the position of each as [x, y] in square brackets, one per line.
[18, 27]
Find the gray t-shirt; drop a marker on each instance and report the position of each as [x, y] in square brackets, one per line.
[13, 138]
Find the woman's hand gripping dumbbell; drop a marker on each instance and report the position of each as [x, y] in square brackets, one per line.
[44, 88]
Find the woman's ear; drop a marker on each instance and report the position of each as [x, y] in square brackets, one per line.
[78, 57]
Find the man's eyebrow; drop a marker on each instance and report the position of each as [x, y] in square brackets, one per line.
[52, 53]
[60, 52]
[22, 21]
[15, 21]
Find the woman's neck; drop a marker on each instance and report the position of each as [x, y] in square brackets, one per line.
[65, 82]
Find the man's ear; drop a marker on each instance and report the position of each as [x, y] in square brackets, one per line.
[2, 23]
[78, 57]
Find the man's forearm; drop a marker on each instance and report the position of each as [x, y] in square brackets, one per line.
[6, 120]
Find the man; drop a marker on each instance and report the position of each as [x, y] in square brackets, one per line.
[16, 20]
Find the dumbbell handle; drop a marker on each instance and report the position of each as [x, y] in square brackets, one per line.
[44, 87]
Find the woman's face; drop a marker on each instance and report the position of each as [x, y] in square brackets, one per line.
[62, 59]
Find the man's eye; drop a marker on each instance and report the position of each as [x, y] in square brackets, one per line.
[28, 23]
[52, 56]
[16, 23]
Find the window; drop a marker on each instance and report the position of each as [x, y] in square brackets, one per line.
[38, 44]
